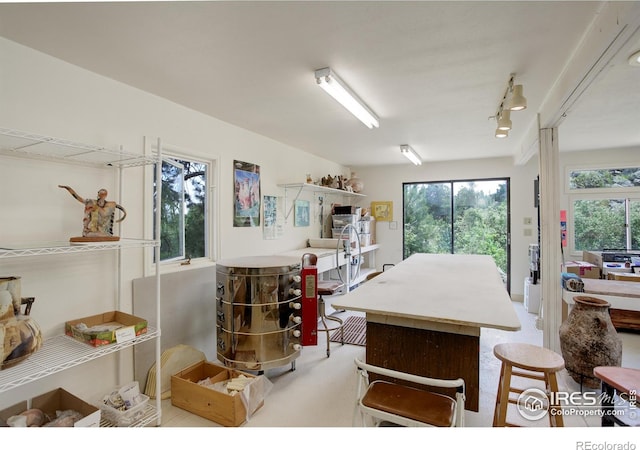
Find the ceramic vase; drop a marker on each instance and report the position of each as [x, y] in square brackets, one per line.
[355, 183]
[20, 335]
[589, 339]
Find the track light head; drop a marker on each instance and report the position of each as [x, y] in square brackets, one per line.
[504, 120]
[517, 102]
[500, 134]
[512, 100]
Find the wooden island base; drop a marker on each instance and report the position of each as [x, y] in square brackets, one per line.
[427, 353]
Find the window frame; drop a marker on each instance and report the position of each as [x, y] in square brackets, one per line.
[573, 195]
[172, 152]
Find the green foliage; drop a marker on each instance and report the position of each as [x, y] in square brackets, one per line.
[479, 221]
[600, 224]
[604, 178]
[173, 231]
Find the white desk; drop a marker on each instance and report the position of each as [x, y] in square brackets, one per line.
[624, 297]
[424, 315]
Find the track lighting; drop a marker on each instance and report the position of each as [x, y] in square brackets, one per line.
[410, 154]
[335, 87]
[504, 120]
[502, 133]
[512, 100]
[517, 102]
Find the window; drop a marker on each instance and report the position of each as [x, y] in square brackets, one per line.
[605, 207]
[469, 217]
[184, 222]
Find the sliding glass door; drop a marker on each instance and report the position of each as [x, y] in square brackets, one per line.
[462, 216]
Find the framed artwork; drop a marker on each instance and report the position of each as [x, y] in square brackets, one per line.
[382, 211]
[301, 214]
[246, 202]
[273, 227]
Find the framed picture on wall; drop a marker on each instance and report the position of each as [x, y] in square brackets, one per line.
[382, 211]
[273, 227]
[246, 202]
[302, 213]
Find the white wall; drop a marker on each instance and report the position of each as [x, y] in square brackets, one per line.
[385, 184]
[47, 96]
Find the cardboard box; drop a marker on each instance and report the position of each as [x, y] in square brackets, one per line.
[582, 268]
[594, 258]
[128, 327]
[225, 409]
[58, 400]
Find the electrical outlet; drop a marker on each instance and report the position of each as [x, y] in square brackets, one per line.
[527, 220]
[527, 232]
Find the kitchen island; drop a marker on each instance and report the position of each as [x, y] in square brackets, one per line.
[424, 315]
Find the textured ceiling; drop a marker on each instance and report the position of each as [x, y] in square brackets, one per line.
[432, 71]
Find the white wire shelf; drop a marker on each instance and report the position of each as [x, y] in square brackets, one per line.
[24, 144]
[59, 353]
[58, 247]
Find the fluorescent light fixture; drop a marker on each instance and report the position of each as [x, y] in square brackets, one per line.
[504, 120]
[335, 87]
[517, 102]
[410, 154]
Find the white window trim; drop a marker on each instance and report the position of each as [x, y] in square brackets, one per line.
[611, 190]
[211, 208]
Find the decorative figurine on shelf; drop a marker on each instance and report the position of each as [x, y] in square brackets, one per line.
[99, 217]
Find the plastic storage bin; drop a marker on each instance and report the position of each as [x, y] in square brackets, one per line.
[127, 417]
[340, 220]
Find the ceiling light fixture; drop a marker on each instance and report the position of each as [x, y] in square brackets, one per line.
[502, 133]
[512, 100]
[634, 60]
[410, 154]
[517, 102]
[504, 120]
[334, 86]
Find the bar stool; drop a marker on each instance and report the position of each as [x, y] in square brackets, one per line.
[535, 363]
[329, 288]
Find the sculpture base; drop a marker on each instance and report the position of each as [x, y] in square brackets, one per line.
[94, 238]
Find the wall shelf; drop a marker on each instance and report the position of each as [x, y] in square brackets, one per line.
[301, 187]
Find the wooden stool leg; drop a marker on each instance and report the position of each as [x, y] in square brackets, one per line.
[555, 420]
[502, 397]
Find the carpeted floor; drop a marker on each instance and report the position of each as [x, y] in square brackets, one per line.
[355, 331]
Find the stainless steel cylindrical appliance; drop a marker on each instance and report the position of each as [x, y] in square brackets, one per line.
[258, 311]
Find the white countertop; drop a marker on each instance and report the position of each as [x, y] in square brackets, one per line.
[322, 252]
[458, 290]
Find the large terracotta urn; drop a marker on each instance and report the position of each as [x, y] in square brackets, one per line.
[589, 339]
